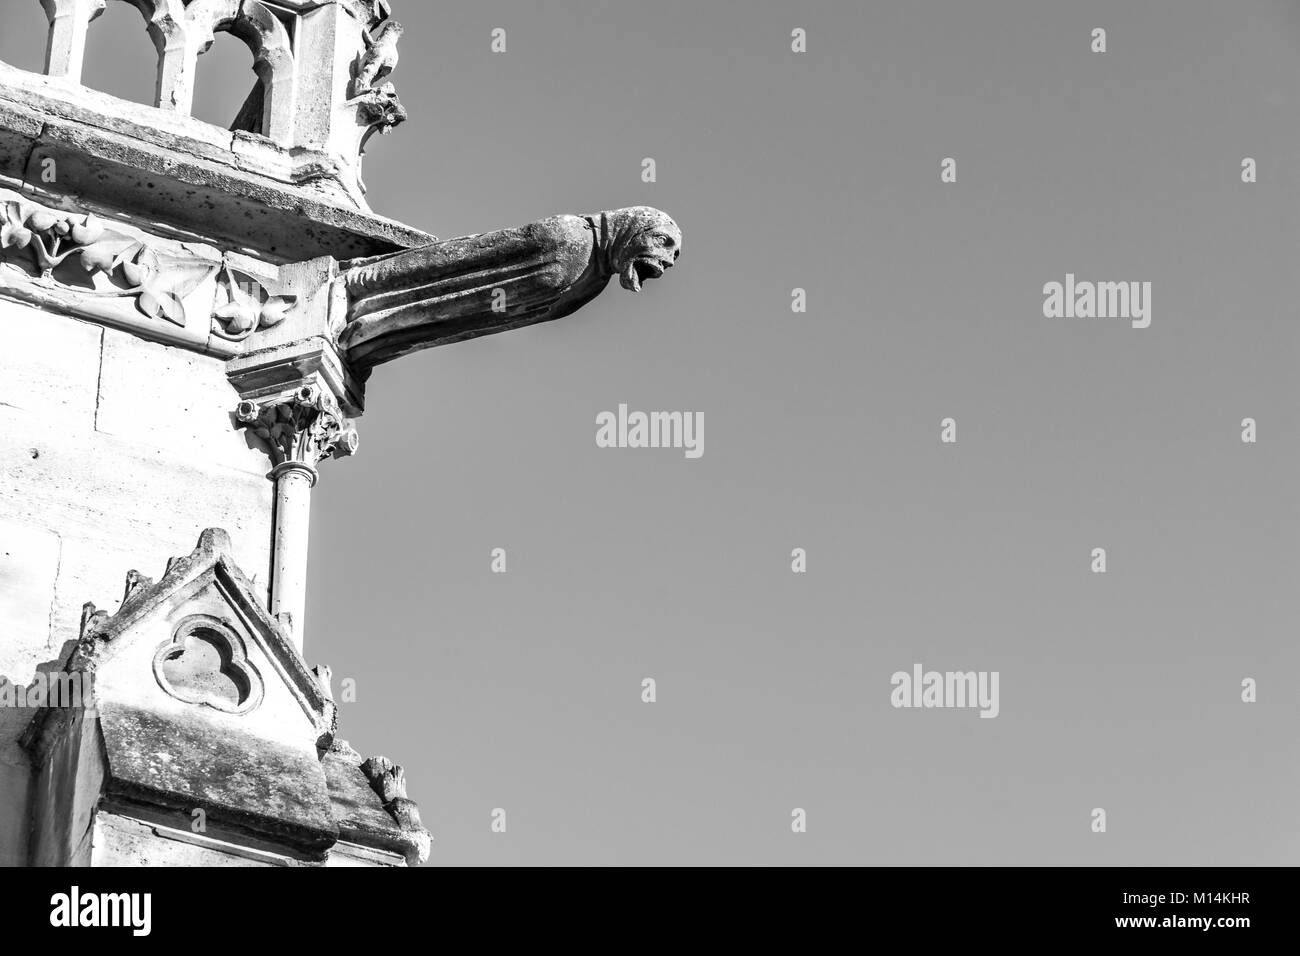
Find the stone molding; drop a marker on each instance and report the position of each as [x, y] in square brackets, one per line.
[118, 266]
[234, 665]
[103, 271]
[207, 183]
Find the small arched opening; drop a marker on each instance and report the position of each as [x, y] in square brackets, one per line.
[25, 35]
[227, 90]
[121, 56]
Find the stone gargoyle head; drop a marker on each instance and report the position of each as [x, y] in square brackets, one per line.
[639, 243]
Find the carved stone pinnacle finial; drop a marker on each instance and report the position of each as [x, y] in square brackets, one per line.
[388, 780]
[90, 618]
[324, 677]
[135, 581]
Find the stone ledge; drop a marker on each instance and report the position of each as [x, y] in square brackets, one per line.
[229, 189]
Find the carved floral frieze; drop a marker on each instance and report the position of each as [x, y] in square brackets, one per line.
[244, 306]
[82, 265]
[82, 255]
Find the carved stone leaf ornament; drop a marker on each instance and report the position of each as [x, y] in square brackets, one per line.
[306, 426]
[156, 281]
[13, 234]
[244, 306]
[50, 237]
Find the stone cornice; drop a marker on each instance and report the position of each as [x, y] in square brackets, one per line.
[367, 12]
[229, 188]
[71, 260]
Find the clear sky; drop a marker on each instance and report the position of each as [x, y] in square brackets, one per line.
[821, 170]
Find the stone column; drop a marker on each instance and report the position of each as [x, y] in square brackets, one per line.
[175, 87]
[301, 428]
[69, 23]
[294, 481]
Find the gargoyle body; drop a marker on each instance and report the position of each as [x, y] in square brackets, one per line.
[379, 59]
[491, 282]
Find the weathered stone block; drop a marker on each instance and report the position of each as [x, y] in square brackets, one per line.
[119, 504]
[173, 400]
[15, 809]
[19, 129]
[29, 570]
[123, 841]
[49, 365]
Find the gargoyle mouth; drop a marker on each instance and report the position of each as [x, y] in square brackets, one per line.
[639, 270]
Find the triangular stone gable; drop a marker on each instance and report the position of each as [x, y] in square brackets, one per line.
[204, 704]
[207, 582]
[199, 701]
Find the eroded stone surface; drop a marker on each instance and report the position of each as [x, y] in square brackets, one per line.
[243, 735]
[294, 43]
[477, 285]
[29, 572]
[163, 284]
[50, 367]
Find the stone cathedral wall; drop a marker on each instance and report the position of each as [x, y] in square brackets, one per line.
[119, 440]
[116, 453]
[188, 316]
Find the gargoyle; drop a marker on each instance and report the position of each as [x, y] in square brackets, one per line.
[379, 60]
[491, 282]
[388, 780]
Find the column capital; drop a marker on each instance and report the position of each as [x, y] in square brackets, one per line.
[301, 427]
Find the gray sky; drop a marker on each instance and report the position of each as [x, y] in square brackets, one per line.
[821, 170]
